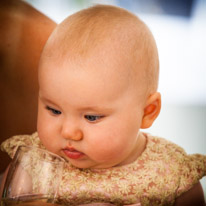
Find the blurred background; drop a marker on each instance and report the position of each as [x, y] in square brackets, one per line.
[179, 27]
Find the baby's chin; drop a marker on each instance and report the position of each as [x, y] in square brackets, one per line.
[85, 164]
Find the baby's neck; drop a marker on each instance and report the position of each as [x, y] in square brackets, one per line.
[138, 149]
[141, 145]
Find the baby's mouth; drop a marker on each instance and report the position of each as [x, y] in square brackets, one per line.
[72, 153]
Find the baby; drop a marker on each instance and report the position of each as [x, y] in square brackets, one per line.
[98, 79]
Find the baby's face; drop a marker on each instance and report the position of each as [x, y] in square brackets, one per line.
[88, 114]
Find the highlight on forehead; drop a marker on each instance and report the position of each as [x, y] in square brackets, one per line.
[108, 29]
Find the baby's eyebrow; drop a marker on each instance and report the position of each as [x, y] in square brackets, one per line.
[96, 109]
[48, 101]
[100, 109]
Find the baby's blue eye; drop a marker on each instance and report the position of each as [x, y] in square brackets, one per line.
[92, 118]
[54, 111]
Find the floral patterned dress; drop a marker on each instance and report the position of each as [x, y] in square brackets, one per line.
[162, 173]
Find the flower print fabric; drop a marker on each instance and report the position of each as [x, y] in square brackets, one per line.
[162, 173]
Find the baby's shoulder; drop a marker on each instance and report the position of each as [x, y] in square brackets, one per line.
[164, 148]
[173, 156]
[189, 168]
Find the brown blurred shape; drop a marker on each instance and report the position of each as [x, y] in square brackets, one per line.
[23, 33]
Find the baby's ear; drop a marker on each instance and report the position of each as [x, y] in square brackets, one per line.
[151, 110]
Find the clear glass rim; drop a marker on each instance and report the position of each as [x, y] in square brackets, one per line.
[42, 150]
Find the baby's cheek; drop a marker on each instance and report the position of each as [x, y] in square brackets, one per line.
[50, 146]
[105, 149]
[46, 140]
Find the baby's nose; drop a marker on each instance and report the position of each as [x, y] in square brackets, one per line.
[72, 132]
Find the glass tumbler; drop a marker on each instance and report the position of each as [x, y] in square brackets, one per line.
[33, 178]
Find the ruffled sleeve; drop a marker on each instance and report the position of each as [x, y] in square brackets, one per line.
[193, 168]
[10, 145]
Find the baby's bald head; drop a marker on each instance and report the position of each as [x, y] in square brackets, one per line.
[111, 37]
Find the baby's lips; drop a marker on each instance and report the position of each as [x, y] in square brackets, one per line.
[73, 153]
